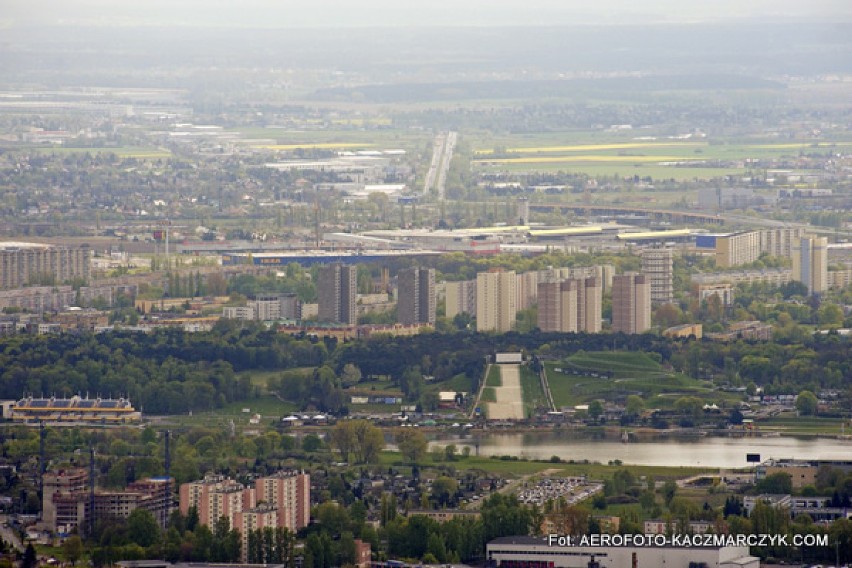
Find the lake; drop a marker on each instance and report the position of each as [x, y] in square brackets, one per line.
[707, 451]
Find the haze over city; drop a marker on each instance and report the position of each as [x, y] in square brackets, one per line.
[396, 284]
[385, 13]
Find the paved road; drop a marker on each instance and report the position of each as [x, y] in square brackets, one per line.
[446, 158]
[432, 173]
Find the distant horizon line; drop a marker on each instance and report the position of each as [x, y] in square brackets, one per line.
[773, 20]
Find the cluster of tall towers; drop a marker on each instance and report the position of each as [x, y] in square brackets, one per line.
[337, 295]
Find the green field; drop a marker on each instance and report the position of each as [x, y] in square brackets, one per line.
[120, 151]
[493, 379]
[789, 423]
[628, 154]
[459, 383]
[488, 395]
[621, 363]
[532, 391]
[269, 407]
[620, 375]
[515, 468]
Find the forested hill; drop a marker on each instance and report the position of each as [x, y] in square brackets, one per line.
[166, 372]
[172, 371]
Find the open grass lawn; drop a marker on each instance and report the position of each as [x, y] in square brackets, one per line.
[532, 391]
[624, 154]
[488, 395]
[493, 379]
[615, 361]
[804, 424]
[459, 383]
[517, 468]
[269, 407]
[631, 373]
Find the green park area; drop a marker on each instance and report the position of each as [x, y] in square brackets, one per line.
[584, 377]
[658, 157]
[534, 397]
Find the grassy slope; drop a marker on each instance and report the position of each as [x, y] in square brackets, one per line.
[632, 373]
[531, 389]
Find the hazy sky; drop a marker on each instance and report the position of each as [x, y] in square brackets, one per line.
[337, 13]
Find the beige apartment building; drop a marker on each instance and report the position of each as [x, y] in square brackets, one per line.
[780, 242]
[526, 289]
[839, 279]
[568, 306]
[747, 246]
[460, 298]
[810, 263]
[737, 249]
[724, 290]
[631, 303]
[29, 263]
[496, 301]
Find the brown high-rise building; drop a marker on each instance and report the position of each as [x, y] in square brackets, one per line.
[631, 303]
[570, 305]
[416, 296]
[337, 285]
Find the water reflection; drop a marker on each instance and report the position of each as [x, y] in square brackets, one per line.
[709, 451]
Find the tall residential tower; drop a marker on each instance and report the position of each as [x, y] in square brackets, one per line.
[336, 293]
[810, 263]
[496, 301]
[631, 303]
[416, 296]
